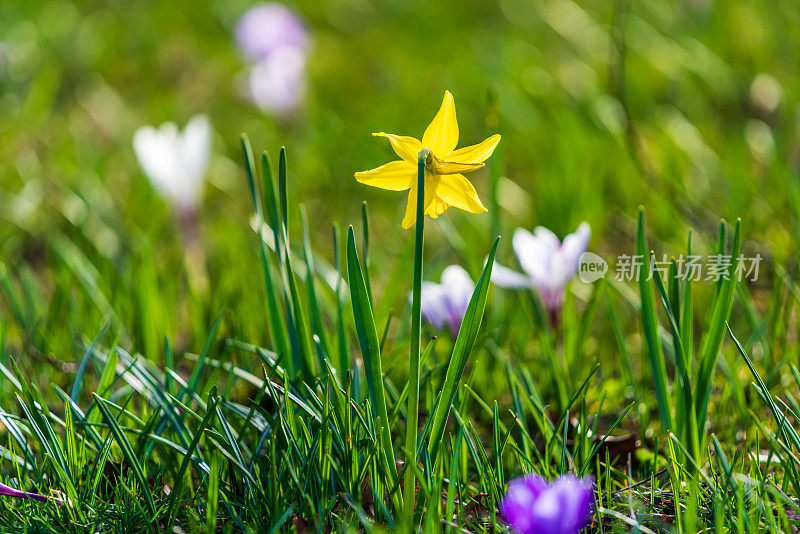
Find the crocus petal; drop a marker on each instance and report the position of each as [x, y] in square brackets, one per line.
[505, 277]
[516, 507]
[573, 246]
[549, 239]
[394, 176]
[475, 153]
[175, 162]
[534, 253]
[411, 209]
[433, 304]
[404, 146]
[531, 505]
[457, 191]
[575, 501]
[535, 483]
[155, 151]
[441, 135]
[277, 83]
[564, 263]
[457, 282]
[447, 302]
[458, 288]
[195, 146]
[267, 27]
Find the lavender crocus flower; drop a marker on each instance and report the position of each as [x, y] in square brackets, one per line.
[534, 506]
[446, 303]
[8, 491]
[274, 38]
[267, 27]
[277, 83]
[548, 263]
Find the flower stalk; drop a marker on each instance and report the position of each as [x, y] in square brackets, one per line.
[412, 421]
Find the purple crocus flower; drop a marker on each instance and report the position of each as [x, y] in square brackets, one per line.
[274, 38]
[277, 83]
[267, 27]
[446, 303]
[534, 506]
[548, 263]
[8, 491]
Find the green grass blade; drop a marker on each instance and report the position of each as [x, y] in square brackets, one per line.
[180, 477]
[128, 454]
[780, 419]
[341, 333]
[317, 324]
[77, 383]
[687, 313]
[194, 380]
[685, 417]
[365, 246]
[368, 340]
[299, 336]
[650, 326]
[714, 336]
[277, 328]
[212, 498]
[467, 335]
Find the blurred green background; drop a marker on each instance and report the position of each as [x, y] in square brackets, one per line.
[688, 108]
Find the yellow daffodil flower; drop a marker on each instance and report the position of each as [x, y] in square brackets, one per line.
[445, 185]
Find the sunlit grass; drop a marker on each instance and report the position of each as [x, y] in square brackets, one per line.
[243, 365]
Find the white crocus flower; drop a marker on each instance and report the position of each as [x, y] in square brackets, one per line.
[176, 162]
[548, 263]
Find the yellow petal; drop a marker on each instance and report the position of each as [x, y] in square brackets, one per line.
[411, 209]
[431, 186]
[432, 204]
[475, 153]
[441, 135]
[406, 147]
[457, 191]
[439, 166]
[394, 176]
[436, 207]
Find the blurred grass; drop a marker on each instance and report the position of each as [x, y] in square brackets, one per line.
[603, 106]
[78, 78]
[586, 136]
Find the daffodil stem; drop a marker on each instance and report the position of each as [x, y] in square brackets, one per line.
[412, 419]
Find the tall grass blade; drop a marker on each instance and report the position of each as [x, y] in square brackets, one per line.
[180, 478]
[277, 329]
[368, 340]
[127, 453]
[465, 340]
[715, 334]
[650, 327]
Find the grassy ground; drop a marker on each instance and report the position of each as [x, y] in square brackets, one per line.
[147, 399]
